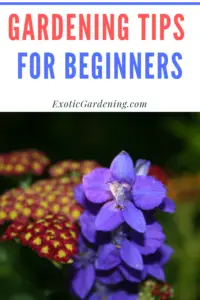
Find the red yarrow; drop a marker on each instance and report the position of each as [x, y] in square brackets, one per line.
[53, 237]
[23, 162]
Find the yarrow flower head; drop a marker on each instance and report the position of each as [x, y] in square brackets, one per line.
[78, 168]
[53, 237]
[23, 162]
[127, 191]
[54, 196]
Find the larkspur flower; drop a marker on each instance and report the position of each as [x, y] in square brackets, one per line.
[144, 168]
[102, 292]
[154, 263]
[126, 194]
[126, 247]
[133, 245]
[92, 263]
[87, 225]
[84, 278]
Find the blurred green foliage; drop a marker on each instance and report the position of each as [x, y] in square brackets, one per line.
[187, 131]
[169, 140]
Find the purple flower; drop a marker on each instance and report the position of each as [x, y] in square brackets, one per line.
[151, 240]
[132, 245]
[110, 277]
[154, 263]
[130, 274]
[84, 278]
[126, 193]
[108, 257]
[87, 223]
[167, 206]
[103, 292]
[81, 199]
[142, 167]
[92, 263]
[79, 195]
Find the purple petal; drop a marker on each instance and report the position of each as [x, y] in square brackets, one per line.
[168, 206]
[148, 192]
[81, 244]
[131, 255]
[151, 240]
[166, 252]
[130, 274]
[144, 272]
[79, 195]
[95, 185]
[83, 281]
[94, 296]
[142, 167]
[122, 168]
[87, 223]
[134, 217]
[156, 271]
[122, 295]
[112, 278]
[108, 257]
[109, 217]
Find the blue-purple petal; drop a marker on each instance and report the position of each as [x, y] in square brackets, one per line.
[87, 223]
[83, 281]
[79, 195]
[122, 168]
[108, 257]
[94, 296]
[168, 205]
[166, 252]
[122, 295]
[95, 185]
[130, 274]
[144, 272]
[109, 217]
[131, 255]
[148, 193]
[113, 277]
[151, 240]
[156, 271]
[134, 217]
[81, 244]
[142, 167]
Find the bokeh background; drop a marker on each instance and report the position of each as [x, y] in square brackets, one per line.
[171, 141]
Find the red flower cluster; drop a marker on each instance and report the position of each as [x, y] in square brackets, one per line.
[53, 237]
[23, 162]
[160, 291]
[54, 196]
[64, 167]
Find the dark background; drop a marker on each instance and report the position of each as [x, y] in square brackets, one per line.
[92, 135]
[162, 138]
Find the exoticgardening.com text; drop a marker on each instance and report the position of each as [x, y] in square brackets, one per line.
[98, 104]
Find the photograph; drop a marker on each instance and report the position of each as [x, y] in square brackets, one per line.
[99, 206]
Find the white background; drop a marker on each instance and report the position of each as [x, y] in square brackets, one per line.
[161, 95]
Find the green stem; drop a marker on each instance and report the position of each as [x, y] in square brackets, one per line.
[57, 265]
